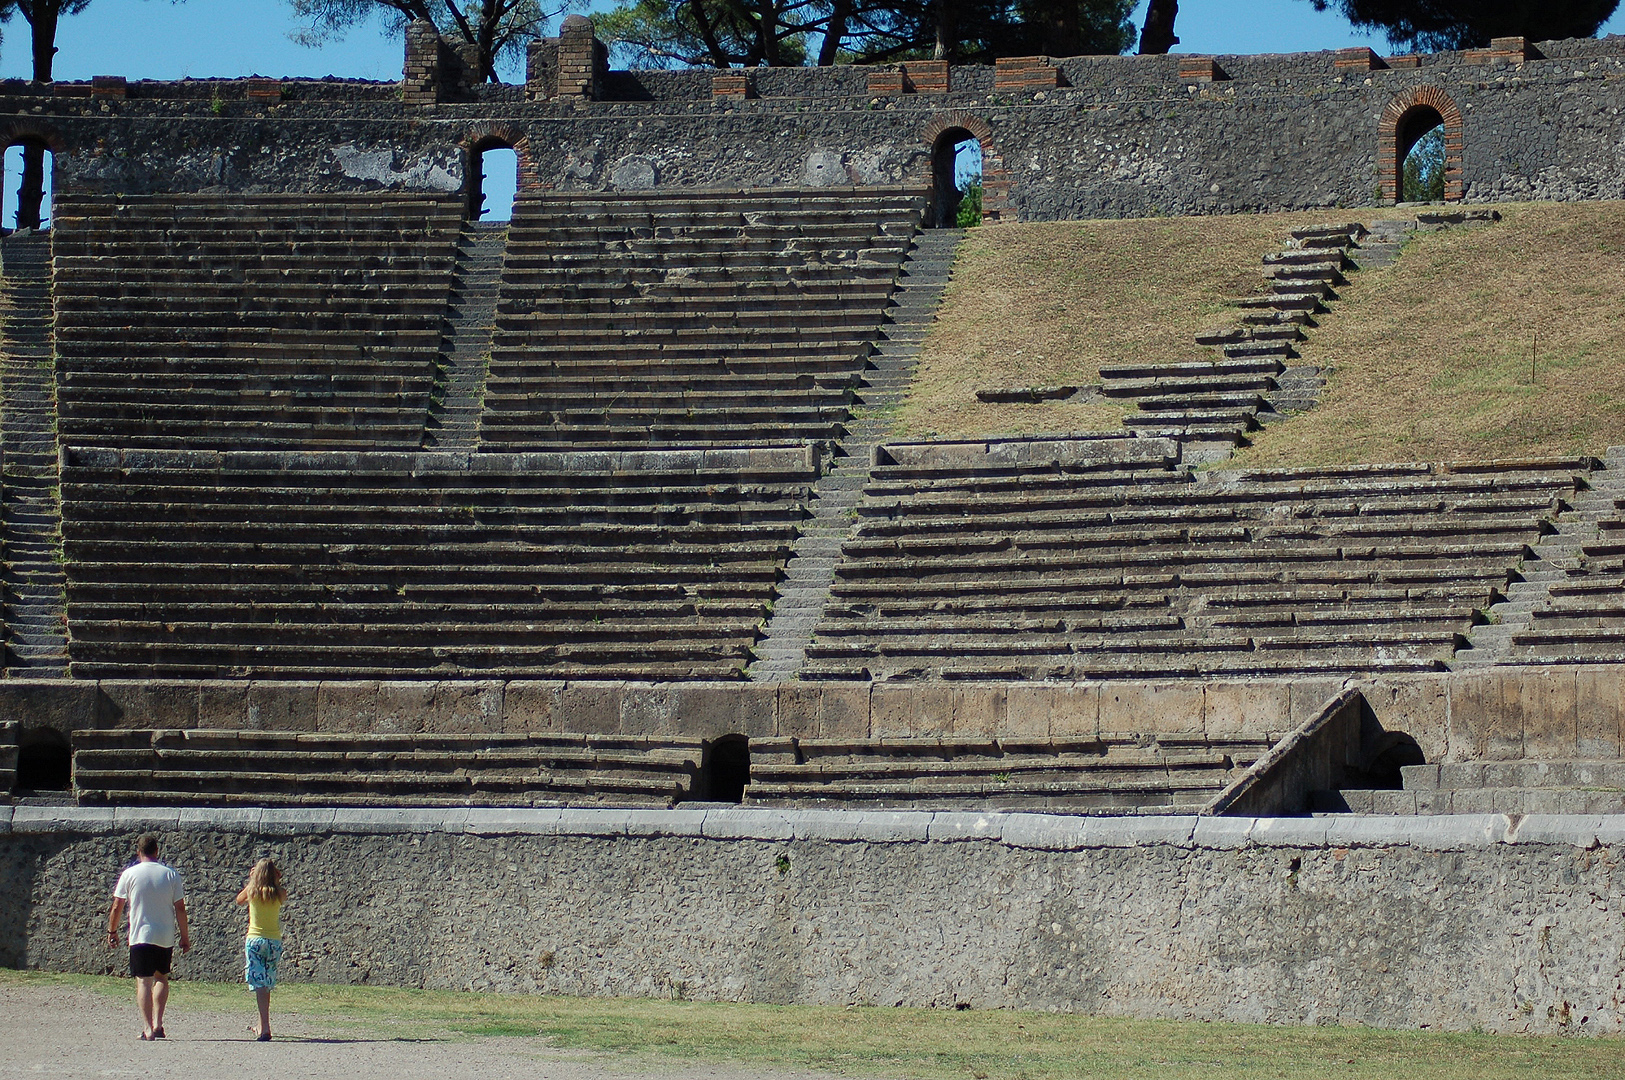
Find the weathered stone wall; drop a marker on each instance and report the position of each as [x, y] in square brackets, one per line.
[1129, 136]
[1450, 923]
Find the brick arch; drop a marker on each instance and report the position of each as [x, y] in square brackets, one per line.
[996, 182]
[1390, 155]
[495, 136]
[24, 130]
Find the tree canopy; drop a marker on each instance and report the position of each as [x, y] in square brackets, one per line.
[725, 33]
[1432, 25]
[496, 28]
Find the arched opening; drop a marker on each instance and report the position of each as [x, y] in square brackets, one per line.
[725, 769]
[1419, 140]
[44, 760]
[493, 181]
[956, 179]
[26, 193]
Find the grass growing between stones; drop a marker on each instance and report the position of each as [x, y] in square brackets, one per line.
[1431, 357]
[923, 1043]
[1049, 303]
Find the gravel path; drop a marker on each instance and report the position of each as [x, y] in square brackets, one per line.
[72, 1033]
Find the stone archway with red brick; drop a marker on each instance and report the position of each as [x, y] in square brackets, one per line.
[27, 132]
[996, 182]
[498, 137]
[1397, 125]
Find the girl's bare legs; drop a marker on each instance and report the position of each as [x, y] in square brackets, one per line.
[263, 997]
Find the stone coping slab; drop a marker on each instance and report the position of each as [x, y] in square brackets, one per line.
[1044, 832]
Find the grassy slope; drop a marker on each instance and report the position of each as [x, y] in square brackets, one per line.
[929, 1044]
[1430, 357]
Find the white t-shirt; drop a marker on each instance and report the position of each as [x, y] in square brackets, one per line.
[151, 888]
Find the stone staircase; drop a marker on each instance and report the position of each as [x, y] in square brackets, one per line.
[454, 422]
[1554, 560]
[30, 501]
[1523, 786]
[811, 569]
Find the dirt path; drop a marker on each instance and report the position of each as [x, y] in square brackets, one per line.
[72, 1033]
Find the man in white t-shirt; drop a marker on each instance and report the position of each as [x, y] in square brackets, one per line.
[156, 898]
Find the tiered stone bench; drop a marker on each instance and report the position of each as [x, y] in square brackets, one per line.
[270, 768]
[592, 564]
[1581, 619]
[1126, 774]
[205, 322]
[705, 317]
[1495, 787]
[1075, 558]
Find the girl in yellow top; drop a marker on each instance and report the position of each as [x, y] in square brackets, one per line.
[264, 895]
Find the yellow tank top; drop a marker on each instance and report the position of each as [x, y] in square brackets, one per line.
[264, 918]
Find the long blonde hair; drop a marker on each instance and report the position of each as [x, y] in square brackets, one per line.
[265, 882]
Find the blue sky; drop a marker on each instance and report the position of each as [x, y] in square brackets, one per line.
[156, 39]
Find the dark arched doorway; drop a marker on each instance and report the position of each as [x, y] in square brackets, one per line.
[493, 180]
[27, 186]
[1419, 142]
[1422, 126]
[44, 760]
[956, 175]
[725, 770]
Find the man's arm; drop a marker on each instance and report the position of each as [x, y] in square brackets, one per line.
[180, 924]
[114, 915]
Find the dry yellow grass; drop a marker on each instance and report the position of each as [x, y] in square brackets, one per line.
[1431, 357]
[1049, 303]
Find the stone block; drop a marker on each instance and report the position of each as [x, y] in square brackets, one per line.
[1309, 696]
[63, 704]
[1028, 708]
[1289, 832]
[591, 708]
[946, 826]
[1597, 712]
[461, 707]
[531, 706]
[1246, 708]
[510, 821]
[143, 819]
[64, 819]
[229, 818]
[1148, 708]
[980, 709]
[677, 822]
[298, 821]
[347, 706]
[901, 710]
[711, 710]
[389, 819]
[743, 824]
[282, 706]
[1417, 705]
[1075, 713]
[1046, 832]
[1141, 831]
[1483, 726]
[222, 703]
[152, 703]
[648, 709]
[1548, 699]
[1222, 833]
[404, 707]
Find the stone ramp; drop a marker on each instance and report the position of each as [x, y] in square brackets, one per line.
[30, 506]
[654, 565]
[241, 321]
[1064, 559]
[690, 317]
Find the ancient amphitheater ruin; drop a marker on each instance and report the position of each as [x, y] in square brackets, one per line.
[575, 561]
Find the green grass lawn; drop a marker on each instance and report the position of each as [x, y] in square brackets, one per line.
[925, 1043]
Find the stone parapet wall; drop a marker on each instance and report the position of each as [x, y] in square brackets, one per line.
[1507, 925]
[1488, 714]
[1116, 135]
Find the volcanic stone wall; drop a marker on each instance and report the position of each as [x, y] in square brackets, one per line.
[1116, 136]
[1454, 923]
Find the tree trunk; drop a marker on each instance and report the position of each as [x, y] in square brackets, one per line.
[31, 192]
[947, 31]
[44, 28]
[1158, 35]
[834, 32]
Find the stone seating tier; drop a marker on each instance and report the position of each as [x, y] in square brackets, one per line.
[1493, 787]
[605, 295]
[1053, 560]
[362, 565]
[204, 321]
[225, 768]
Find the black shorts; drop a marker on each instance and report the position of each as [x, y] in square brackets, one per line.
[149, 960]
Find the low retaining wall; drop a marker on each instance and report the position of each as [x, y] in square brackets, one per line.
[1456, 923]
